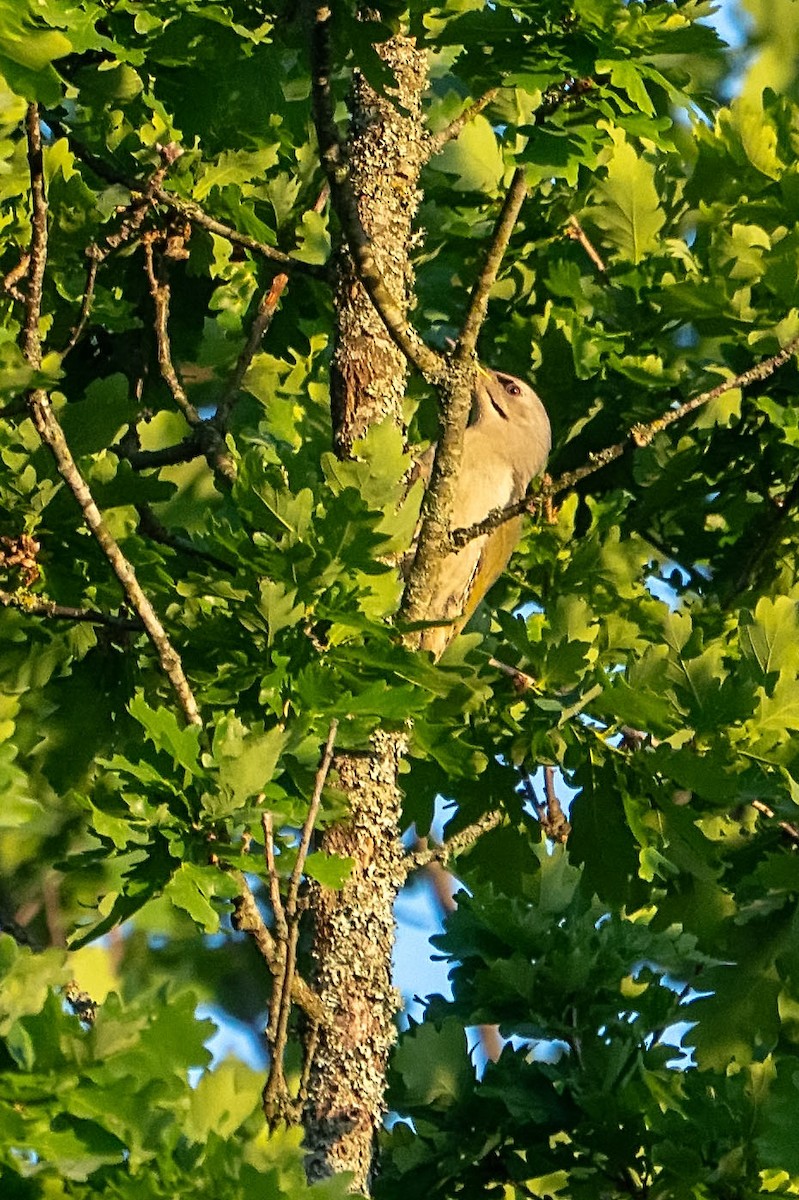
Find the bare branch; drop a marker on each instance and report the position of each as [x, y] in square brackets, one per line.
[333, 159]
[478, 301]
[168, 456]
[575, 231]
[94, 257]
[313, 811]
[198, 216]
[247, 918]
[37, 606]
[639, 436]
[276, 1100]
[551, 816]
[557, 826]
[455, 845]
[160, 292]
[13, 277]
[522, 682]
[786, 826]
[437, 141]
[52, 435]
[275, 900]
[188, 208]
[457, 389]
[263, 319]
[31, 335]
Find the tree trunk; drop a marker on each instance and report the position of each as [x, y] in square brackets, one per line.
[354, 927]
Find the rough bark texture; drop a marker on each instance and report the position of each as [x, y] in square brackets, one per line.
[354, 928]
[386, 150]
[353, 945]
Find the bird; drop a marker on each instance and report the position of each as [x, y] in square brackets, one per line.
[505, 445]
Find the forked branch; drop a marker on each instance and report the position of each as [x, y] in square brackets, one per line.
[457, 390]
[52, 435]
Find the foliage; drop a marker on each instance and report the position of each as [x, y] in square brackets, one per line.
[662, 598]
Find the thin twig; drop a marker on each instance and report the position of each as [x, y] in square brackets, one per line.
[454, 845]
[313, 811]
[198, 216]
[160, 292]
[38, 606]
[13, 277]
[321, 200]
[575, 231]
[522, 682]
[130, 228]
[275, 1095]
[247, 919]
[31, 334]
[478, 301]
[275, 900]
[276, 1100]
[437, 141]
[263, 319]
[457, 389]
[791, 830]
[52, 435]
[188, 208]
[94, 257]
[557, 826]
[639, 436]
[167, 456]
[345, 205]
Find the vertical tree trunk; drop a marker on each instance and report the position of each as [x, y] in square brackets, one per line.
[386, 150]
[354, 927]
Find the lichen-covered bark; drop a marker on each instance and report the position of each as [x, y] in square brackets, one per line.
[386, 149]
[354, 927]
[354, 937]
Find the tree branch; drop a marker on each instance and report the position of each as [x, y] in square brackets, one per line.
[188, 208]
[333, 160]
[557, 826]
[261, 322]
[276, 1100]
[95, 259]
[160, 293]
[640, 435]
[247, 919]
[52, 435]
[457, 390]
[37, 606]
[13, 277]
[167, 456]
[437, 141]
[787, 827]
[453, 846]
[478, 301]
[575, 231]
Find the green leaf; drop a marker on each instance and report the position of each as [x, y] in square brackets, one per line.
[191, 889]
[626, 205]
[434, 1065]
[181, 743]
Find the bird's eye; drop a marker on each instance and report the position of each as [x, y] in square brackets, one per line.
[513, 389]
